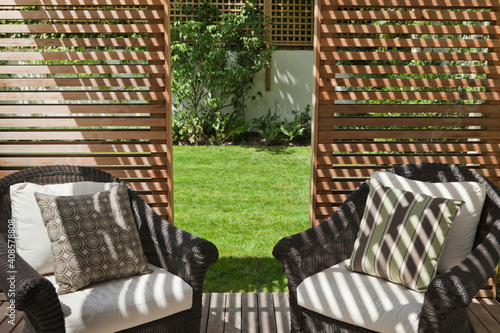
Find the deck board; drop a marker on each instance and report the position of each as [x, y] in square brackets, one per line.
[269, 313]
[249, 313]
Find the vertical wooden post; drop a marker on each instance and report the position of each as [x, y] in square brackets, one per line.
[314, 121]
[495, 121]
[268, 13]
[168, 111]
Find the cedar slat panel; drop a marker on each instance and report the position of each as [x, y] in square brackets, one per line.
[366, 171]
[116, 55]
[330, 44]
[99, 119]
[369, 15]
[81, 121]
[408, 56]
[328, 70]
[348, 171]
[408, 134]
[95, 109]
[413, 29]
[9, 160]
[329, 85]
[78, 28]
[329, 110]
[84, 42]
[407, 147]
[404, 159]
[327, 96]
[81, 135]
[81, 102]
[82, 95]
[76, 147]
[80, 2]
[140, 185]
[338, 185]
[81, 69]
[66, 15]
[316, 108]
[449, 4]
[123, 172]
[154, 198]
[330, 198]
[84, 82]
[328, 123]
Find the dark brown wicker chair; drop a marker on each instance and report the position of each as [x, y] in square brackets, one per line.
[448, 295]
[165, 245]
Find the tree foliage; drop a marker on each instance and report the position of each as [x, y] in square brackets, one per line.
[214, 61]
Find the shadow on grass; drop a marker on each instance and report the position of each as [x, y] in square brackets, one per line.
[274, 150]
[232, 275]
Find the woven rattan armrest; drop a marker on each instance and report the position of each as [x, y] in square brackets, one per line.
[174, 249]
[30, 292]
[326, 244]
[320, 247]
[455, 289]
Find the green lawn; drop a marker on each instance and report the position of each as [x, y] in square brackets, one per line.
[243, 199]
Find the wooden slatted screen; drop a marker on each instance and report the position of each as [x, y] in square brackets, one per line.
[403, 81]
[87, 82]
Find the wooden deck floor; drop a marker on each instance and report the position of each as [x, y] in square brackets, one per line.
[268, 313]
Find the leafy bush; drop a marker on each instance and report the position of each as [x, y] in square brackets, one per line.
[214, 61]
[237, 127]
[187, 128]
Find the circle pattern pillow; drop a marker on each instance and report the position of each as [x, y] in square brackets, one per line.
[93, 237]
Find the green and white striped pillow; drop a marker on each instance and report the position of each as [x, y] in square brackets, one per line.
[401, 235]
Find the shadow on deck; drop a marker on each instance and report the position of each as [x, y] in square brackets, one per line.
[269, 313]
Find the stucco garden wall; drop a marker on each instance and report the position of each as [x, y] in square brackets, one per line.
[291, 84]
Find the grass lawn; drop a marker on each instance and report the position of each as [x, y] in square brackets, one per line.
[243, 199]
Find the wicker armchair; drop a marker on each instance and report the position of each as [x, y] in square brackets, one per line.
[448, 295]
[165, 246]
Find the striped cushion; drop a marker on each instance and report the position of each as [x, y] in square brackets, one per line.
[401, 235]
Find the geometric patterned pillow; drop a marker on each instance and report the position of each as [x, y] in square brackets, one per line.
[93, 237]
[401, 235]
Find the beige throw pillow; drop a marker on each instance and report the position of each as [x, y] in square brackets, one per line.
[32, 242]
[462, 235]
[401, 235]
[93, 237]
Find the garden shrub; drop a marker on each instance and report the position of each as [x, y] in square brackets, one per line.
[214, 61]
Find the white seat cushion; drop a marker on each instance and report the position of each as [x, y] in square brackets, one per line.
[362, 300]
[32, 241]
[119, 304]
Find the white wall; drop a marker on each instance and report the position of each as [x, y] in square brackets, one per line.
[291, 85]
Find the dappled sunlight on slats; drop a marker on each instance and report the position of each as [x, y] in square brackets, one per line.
[87, 84]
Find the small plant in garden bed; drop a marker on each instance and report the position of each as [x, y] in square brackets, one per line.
[298, 127]
[233, 127]
[268, 127]
[275, 131]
